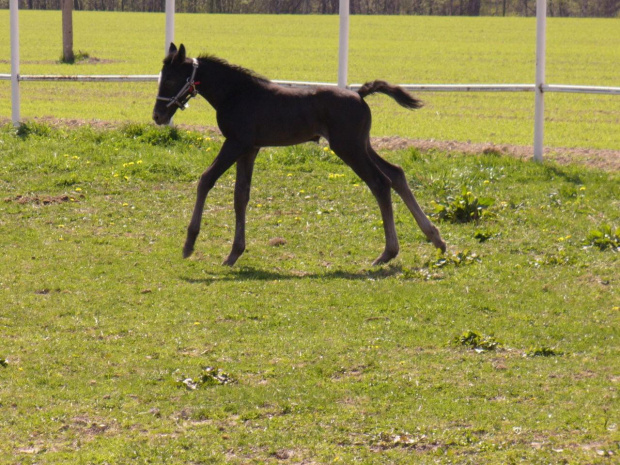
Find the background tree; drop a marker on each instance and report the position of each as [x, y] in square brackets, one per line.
[565, 8]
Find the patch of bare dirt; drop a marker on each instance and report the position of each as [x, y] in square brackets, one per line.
[604, 159]
[76, 123]
[39, 200]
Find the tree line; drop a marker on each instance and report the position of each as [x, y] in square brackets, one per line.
[562, 8]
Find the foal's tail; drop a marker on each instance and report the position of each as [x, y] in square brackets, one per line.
[397, 93]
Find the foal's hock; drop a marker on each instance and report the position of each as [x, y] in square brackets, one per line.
[253, 112]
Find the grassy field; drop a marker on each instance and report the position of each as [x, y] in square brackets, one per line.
[505, 350]
[398, 49]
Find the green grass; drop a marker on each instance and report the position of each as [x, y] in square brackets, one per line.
[398, 49]
[326, 358]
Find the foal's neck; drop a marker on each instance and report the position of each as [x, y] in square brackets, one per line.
[219, 80]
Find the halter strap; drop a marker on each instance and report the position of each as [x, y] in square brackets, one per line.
[188, 91]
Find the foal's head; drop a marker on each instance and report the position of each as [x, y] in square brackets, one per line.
[176, 84]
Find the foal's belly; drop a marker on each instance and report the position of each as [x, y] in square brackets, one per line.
[288, 128]
[286, 138]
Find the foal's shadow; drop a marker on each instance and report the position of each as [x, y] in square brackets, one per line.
[249, 273]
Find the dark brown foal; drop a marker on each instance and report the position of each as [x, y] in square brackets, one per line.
[252, 112]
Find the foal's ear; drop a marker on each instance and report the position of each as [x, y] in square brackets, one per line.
[173, 49]
[179, 56]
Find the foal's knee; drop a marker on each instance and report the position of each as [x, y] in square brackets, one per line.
[398, 178]
[379, 183]
[205, 183]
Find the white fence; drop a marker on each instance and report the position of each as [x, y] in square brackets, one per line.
[540, 87]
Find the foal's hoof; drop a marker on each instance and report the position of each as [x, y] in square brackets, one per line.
[441, 245]
[230, 261]
[384, 258]
[187, 250]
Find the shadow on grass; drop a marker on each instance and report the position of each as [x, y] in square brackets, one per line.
[564, 173]
[255, 274]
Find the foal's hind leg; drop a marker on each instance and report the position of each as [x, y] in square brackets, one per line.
[245, 167]
[379, 185]
[399, 183]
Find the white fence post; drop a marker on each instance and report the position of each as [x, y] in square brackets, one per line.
[539, 105]
[170, 10]
[15, 101]
[343, 45]
[170, 7]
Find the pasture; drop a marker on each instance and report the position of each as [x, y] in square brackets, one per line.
[116, 350]
[397, 49]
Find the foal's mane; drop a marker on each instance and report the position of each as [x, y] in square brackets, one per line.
[238, 71]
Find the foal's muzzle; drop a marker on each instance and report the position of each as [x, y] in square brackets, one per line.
[160, 118]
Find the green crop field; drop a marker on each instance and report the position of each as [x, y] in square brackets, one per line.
[114, 349]
[398, 49]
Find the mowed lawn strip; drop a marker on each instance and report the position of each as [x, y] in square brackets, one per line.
[399, 49]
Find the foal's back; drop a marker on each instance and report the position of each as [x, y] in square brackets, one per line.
[276, 115]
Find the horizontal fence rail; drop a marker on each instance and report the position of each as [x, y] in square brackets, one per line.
[410, 87]
[83, 78]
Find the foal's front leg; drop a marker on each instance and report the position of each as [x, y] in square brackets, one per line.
[245, 167]
[229, 153]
